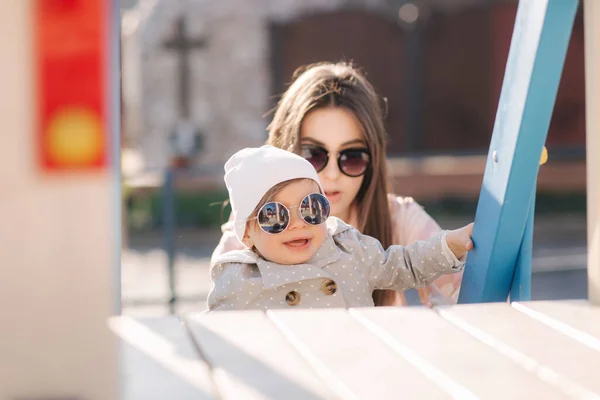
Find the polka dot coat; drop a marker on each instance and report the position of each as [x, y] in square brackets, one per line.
[343, 273]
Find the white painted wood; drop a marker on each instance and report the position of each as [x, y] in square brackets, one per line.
[551, 355]
[158, 361]
[464, 359]
[348, 353]
[592, 107]
[577, 319]
[57, 249]
[495, 351]
[251, 359]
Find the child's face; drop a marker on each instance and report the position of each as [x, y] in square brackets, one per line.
[300, 241]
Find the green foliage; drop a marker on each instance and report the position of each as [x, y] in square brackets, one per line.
[192, 210]
[207, 209]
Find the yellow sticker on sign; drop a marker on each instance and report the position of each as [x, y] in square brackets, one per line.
[544, 157]
[74, 138]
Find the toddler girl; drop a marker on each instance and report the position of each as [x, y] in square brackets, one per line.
[296, 256]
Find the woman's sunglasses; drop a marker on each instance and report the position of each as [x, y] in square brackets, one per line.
[274, 217]
[351, 162]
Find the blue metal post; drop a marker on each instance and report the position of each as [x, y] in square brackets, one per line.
[538, 48]
[521, 283]
[169, 234]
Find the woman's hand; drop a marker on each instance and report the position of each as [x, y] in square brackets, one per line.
[459, 240]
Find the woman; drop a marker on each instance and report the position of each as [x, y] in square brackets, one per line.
[332, 116]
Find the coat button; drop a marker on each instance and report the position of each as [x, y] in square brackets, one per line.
[292, 298]
[329, 287]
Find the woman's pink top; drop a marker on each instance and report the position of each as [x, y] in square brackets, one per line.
[410, 224]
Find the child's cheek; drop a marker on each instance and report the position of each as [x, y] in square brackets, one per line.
[258, 237]
[267, 245]
[320, 233]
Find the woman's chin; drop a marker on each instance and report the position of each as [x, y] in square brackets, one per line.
[340, 212]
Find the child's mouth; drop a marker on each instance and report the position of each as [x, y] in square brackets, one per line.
[298, 244]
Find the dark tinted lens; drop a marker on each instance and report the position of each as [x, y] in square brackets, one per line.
[273, 218]
[314, 209]
[317, 156]
[354, 162]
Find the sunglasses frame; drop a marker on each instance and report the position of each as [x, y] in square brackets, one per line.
[363, 150]
[290, 213]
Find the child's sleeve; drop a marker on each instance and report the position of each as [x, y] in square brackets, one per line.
[233, 287]
[402, 268]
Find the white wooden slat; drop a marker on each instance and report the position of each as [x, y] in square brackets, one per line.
[577, 319]
[251, 359]
[158, 361]
[552, 356]
[464, 359]
[351, 355]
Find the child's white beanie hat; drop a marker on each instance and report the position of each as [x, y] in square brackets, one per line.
[251, 172]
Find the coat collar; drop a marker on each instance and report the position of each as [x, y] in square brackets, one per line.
[275, 275]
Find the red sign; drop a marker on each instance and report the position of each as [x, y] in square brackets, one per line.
[71, 51]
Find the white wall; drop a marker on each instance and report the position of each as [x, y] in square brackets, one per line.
[57, 250]
[592, 99]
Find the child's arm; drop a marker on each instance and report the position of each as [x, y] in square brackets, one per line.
[415, 265]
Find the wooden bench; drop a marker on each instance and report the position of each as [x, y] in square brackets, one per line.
[549, 350]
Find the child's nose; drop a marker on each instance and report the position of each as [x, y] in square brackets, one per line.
[296, 220]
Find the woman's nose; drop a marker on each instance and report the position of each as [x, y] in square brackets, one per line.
[331, 171]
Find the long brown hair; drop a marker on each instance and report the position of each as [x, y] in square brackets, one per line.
[341, 85]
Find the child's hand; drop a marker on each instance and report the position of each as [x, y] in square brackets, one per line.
[459, 240]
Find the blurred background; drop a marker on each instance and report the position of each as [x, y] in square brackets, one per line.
[199, 76]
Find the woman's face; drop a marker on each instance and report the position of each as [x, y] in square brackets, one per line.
[335, 129]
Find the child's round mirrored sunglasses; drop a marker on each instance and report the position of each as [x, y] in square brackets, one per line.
[351, 162]
[274, 217]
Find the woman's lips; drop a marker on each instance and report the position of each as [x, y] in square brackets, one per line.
[333, 196]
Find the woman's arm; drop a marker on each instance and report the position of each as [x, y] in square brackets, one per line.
[228, 242]
[411, 224]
